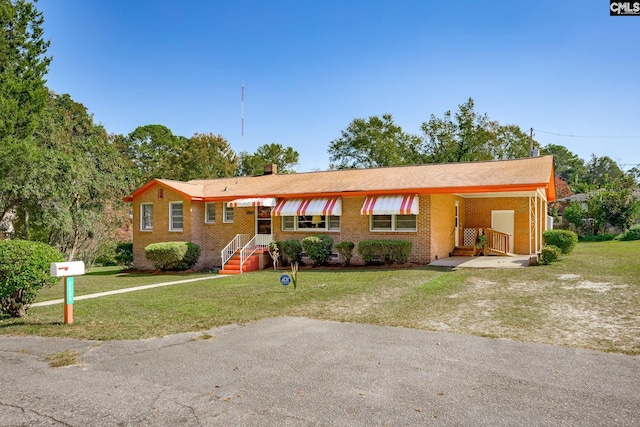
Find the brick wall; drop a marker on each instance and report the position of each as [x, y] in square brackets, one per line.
[443, 208]
[355, 227]
[160, 231]
[478, 215]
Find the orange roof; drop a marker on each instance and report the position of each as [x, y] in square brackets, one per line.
[528, 174]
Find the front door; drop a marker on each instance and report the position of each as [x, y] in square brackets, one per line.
[263, 220]
[503, 221]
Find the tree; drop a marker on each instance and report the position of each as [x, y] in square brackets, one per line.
[469, 136]
[568, 165]
[614, 205]
[575, 215]
[205, 156]
[284, 158]
[72, 200]
[602, 170]
[23, 65]
[154, 149]
[373, 142]
[23, 95]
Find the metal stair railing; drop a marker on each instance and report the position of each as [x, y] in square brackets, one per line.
[259, 241]
[234, 245]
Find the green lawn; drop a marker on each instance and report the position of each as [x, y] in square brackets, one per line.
[590, 299]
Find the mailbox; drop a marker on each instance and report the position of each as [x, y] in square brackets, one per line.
[66, 269]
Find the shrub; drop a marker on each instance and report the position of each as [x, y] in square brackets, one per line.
[633, 233]
[124, 255]
[386, 251]
[564, 239]
[345, 249]
[549, 254]
[172, 255]
[318, 248]
[291, 251]
[597, 237]
[24, 270]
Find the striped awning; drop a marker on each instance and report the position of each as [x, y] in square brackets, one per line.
[319, 206]
[390, 205]
[247, 203]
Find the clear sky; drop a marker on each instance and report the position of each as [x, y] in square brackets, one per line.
[311, 67]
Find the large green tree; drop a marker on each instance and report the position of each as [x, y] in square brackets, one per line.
[154, 149]
[284, 158]
[205, 156]
[72, 199]
[468, 136]
[373, 142]
[23, 66]
[568, 165]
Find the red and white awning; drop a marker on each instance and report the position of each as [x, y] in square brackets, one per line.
[319, 206]
[247, 203]
[391, 205]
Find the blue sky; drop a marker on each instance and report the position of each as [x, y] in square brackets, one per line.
[311, 67]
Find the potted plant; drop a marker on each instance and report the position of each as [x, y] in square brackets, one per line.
[481, 243]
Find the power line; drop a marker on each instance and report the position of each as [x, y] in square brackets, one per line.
[585, 136]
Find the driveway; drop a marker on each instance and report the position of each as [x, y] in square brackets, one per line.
[297, 371]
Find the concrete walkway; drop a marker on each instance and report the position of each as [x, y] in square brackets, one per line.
[515, 261]
[125, 290]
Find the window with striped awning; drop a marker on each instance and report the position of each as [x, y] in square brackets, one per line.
[252, 202]
[306, 207]
[391, 205]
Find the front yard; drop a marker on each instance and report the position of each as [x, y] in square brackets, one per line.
[590, 299]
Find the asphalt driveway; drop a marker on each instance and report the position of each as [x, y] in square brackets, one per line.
[296, 371]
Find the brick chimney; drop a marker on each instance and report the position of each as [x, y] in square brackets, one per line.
[271, 169]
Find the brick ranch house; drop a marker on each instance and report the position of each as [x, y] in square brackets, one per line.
[440, 208]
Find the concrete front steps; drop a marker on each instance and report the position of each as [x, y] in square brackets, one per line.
[233, 265]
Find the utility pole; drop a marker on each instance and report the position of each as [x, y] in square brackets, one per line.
[531, 142]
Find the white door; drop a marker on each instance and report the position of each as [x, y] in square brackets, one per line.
[503, 221]
[457, 225]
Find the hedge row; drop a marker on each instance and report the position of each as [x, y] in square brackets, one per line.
[385, 251]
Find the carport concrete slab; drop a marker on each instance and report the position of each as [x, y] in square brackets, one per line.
[515, 261]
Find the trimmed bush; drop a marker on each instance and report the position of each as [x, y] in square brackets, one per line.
[385, 251]
[345, 249]
[172, 255]
[124, 255]
[318, 248]
[549, 254]
[24, 270]
[564, 239]
[290, 251]
[633, 233]
[597, 238]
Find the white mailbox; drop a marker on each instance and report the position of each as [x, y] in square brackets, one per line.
[67, 269]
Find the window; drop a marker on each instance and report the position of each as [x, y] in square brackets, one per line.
[209, 213]
[175, 216]
[146, 217]
[228, 213]
[393, 223]
[311, 223]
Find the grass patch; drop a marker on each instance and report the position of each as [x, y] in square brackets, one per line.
[63, 358]
[588, 299]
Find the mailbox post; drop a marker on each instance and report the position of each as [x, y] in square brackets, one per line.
[67, 270]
